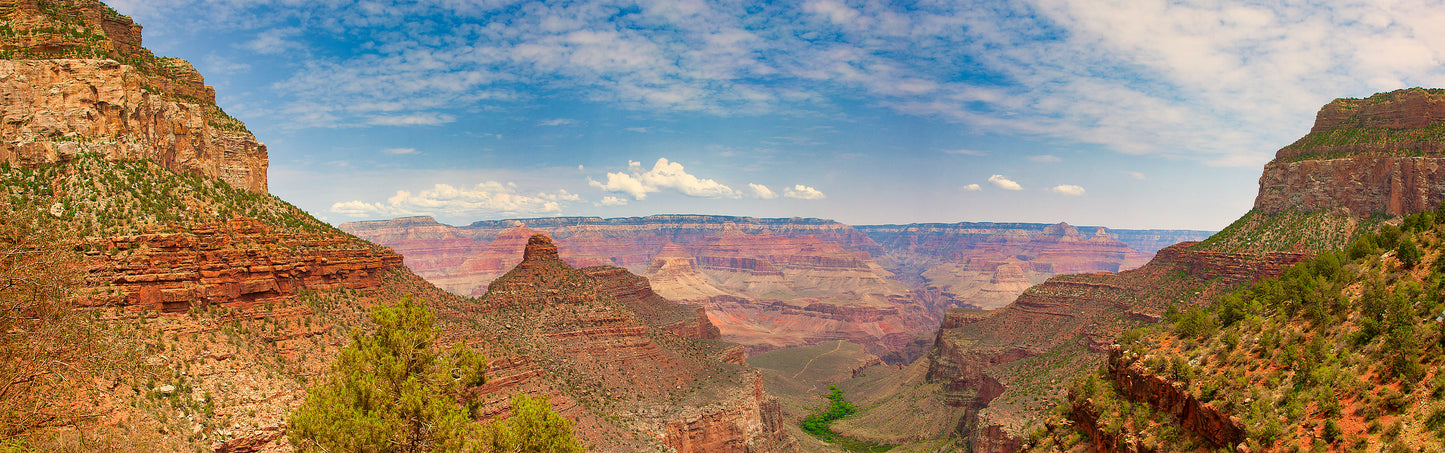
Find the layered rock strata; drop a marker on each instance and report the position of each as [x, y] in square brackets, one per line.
[1381, 154]
[237, 264]
[76, 80]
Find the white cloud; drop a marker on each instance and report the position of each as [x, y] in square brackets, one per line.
[418, 119]
[274, 41]
[965, 152]
[1135, 174]
[1221, 82]
[663, 175]
[443, 199]
[972, 188]
[1046, 159]
[399, 151]
[803, 192]
[761, 192]
[557, 122]
[612, 201]
[1068, 189]
[1004, 183]
[640, 130]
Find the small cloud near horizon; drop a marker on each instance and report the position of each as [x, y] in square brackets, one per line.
[762, 192]
[557, 122]
[1068, 189]
[1135, 174]
[399, 151]
[803, 192]
[972, 188]
[965, 152]
[1004, 183]
[1046, 159]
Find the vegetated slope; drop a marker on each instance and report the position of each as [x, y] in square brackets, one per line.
[800, 377]
[232, 300]
[1341, 353]
[1310, 202]
[1003, 369]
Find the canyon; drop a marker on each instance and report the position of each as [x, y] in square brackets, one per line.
[778, 283]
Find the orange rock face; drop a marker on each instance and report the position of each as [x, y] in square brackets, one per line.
[68, 95]
[238, 264]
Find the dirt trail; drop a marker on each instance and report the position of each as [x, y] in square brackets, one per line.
[836, 346]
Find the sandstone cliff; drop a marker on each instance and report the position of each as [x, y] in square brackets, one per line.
[1381, 154]
[76, 80]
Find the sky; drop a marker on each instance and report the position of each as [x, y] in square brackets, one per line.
[1126, 114]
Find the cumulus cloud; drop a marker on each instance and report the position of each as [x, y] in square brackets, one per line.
[1045, 159]
[1068, 189]
[761, 192]
[612, 201]
[1004, 183]
[664, 175]
[399, 151]
[557, 122]
[489, 197]
[803, 192]
[972, 188]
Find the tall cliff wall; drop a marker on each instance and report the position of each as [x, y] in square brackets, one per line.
[75, 79]
[1381, 154]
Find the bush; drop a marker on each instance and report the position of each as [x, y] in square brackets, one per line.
[1408, 254]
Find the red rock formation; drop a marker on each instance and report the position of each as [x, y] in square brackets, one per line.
[604, 335]
[1381, 154]
[141, 107]
[1136, 383]
[236, 264]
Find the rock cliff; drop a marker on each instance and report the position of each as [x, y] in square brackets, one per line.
[76, 80]
[1381, 154]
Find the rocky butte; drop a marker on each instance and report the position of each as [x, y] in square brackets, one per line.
[76, 80]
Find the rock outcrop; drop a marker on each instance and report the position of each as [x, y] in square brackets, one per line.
[238, 264]
[635, 361]
[76, 80]
[1381, 154]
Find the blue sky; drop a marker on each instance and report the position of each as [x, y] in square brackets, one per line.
[1129, 114]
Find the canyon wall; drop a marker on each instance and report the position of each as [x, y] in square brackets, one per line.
[1381, 154]
[95, 90]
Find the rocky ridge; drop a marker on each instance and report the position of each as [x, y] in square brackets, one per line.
[77, 80]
